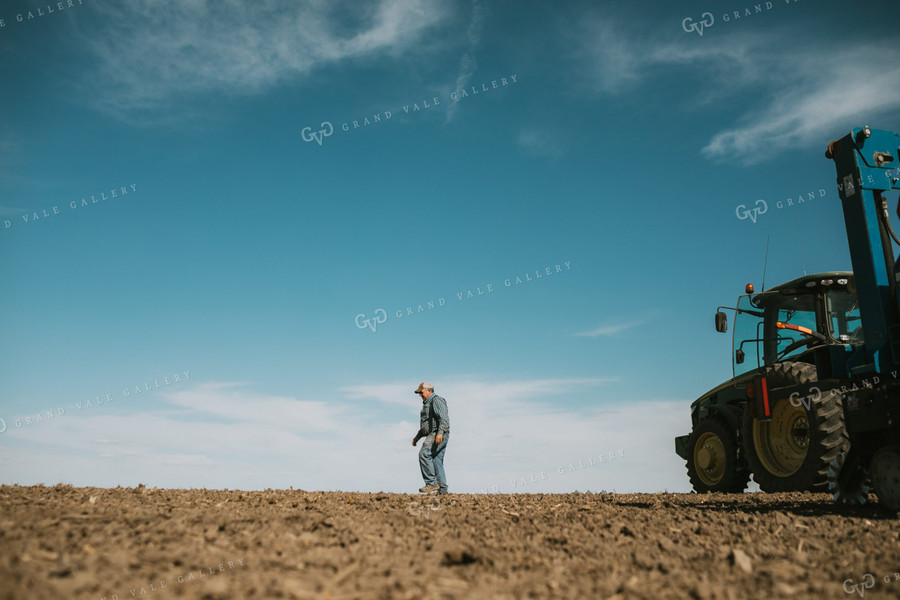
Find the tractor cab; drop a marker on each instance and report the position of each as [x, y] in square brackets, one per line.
[794, 321]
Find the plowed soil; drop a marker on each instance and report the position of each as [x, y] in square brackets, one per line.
[66, 542]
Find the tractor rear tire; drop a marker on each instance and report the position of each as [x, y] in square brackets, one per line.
[713, 463]
[791, 451]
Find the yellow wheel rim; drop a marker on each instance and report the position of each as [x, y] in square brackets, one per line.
[782, 442]
[709, 458]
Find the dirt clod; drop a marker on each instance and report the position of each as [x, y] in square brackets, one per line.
[740, 560]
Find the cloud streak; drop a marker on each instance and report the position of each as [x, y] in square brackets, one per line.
[609, 330]
[541, 143]
[813, 102]
[468, 64]
[228, 435]
[153, 53]
[615, 328]
[801, 99]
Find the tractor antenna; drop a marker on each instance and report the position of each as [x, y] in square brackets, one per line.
[765, 264]
[802, 259]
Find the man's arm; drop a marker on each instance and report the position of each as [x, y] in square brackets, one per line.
[440, 411]
[423, 424]
[419, 436]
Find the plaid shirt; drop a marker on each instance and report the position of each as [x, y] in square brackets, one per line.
[434, 417]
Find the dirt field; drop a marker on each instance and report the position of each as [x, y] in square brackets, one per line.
[65, 542]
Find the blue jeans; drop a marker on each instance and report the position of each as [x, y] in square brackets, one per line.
[431, 462]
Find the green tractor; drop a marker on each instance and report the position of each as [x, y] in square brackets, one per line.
[776, 334]
[815, 399]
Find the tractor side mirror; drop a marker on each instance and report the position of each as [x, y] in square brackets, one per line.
[721, 322]
[738, 356]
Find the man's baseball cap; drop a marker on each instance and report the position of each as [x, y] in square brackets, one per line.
[423, 386]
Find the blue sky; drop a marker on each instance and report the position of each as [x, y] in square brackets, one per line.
[258, 234]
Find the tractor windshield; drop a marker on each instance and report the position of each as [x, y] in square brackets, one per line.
[757, 341]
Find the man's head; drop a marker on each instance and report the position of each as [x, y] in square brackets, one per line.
[425, 390]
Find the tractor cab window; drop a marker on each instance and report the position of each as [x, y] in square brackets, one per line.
[748, 324]
[843, 316]
[757, 340]
[794, 314]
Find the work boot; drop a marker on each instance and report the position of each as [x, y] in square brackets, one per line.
[429, 488]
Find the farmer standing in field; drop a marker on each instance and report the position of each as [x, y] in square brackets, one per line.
[434, 426]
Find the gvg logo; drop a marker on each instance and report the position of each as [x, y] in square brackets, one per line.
[867, 583]
[761, 207]
[417, 509]
[308, 135]
[743, 213]
[706, 20]
[373, 322]
[381, 316]
[815, 394]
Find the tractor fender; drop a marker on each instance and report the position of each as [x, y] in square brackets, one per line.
[731, 414]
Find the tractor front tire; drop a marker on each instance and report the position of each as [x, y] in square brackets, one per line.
[713, 463]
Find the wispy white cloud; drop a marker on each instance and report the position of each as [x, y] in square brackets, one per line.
[813, 101]
[152, 53]
[468, 64]
[800, 98]
[609, 329]
[540, 142]
[734, 60]
[233, 402]
[225, 435]
[615, 327]
[470, 387]
[615, 59]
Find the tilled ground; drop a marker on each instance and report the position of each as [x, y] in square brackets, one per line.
[66, 542]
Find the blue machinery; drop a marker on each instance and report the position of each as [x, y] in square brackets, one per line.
[867, 166]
